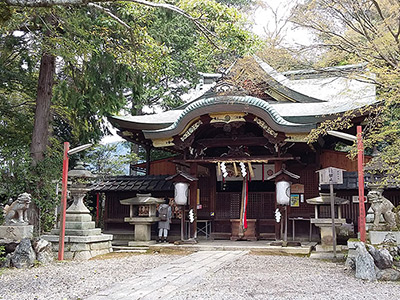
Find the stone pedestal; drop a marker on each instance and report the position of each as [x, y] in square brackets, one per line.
[378, 237]
[16, 232]
[142, 227]
[82, 240]
[325, 227]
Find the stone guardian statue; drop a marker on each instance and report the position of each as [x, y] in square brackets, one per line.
[17, 212]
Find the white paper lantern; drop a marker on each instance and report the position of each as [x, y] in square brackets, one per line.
[283, 192]
[181, 193]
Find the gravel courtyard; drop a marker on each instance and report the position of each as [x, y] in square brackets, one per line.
[250, 277]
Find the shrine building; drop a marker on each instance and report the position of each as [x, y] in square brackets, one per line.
[239, 142]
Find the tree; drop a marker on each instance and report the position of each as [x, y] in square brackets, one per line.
[99, 60]
[354, 31]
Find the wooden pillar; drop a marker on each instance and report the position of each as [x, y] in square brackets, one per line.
[193, 200]
[148, 164]
[213, 188]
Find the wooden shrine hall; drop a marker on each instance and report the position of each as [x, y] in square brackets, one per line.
[240, 142]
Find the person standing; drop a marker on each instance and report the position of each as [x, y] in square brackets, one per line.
[165, 215]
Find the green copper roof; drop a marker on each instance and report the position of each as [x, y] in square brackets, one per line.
[248, 104]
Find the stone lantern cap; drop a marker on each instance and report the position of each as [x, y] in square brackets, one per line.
[80, 172]
[141, 199]
[325, 199]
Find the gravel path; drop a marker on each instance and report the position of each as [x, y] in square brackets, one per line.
[288, 277]
[72, 279]
[250, 277]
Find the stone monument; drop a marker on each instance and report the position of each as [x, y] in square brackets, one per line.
[386, 221]
[82, 240]
[16, 224]
[142, 214]
[325, 223]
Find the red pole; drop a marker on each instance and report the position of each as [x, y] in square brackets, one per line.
[63, 202]
[360, 156]
[98, 207]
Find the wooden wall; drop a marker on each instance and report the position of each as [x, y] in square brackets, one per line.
[160, 167]
[330, 158]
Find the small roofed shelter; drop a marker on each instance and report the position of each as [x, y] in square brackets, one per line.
[243, 132]
[118, 188]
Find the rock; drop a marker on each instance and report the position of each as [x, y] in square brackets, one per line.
[40, 245]
[350, 263]
[382, 257]
[388, 275]
[24, 256]
[7, 262]
[365, 267]
[390, 238]
[44, 253]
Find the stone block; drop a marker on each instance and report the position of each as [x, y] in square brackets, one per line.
[78, 232]
[68, 255]
[78, 247]
[378, 237]
[80, 225]
[100, 252]
[101, 245]
[78, 218]
[16, 233]
[82, 255]
[142, 232]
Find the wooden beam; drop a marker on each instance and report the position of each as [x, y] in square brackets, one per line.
[259, 159]
[245, 141]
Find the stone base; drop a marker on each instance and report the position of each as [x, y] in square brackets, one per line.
[141, 243]
[82, 247]
[377, 237]
[329, 248]
[143, 232]
[16, 233]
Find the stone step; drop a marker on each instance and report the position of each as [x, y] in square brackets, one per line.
[130, 248]
[130, 251]
[78, 232]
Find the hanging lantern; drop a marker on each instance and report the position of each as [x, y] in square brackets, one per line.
[283, 192]
[181, 193]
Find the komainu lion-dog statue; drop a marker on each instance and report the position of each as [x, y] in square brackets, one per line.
[382, 207]
[17, 212]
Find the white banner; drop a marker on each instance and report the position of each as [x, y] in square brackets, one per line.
[269, 169]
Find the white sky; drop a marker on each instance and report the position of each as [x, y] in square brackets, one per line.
[263, 18]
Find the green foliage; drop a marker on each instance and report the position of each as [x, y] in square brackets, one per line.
[103, 67]
[363, 32]
[110, 159]
[18, 175]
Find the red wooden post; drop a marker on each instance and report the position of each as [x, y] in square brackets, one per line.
[361, 219]
[97, 207]
[63, 202]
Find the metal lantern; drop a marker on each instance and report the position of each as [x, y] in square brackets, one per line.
[181, 193]
[283, 192]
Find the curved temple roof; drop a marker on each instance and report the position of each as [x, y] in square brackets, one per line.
[245, 104]
[315, 98]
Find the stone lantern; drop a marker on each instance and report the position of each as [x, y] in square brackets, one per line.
[80, 185]
[82, 239]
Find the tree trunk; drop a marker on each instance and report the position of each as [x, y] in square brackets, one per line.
[40, 135]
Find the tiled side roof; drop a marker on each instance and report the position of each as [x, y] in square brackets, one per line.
[134, 183]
